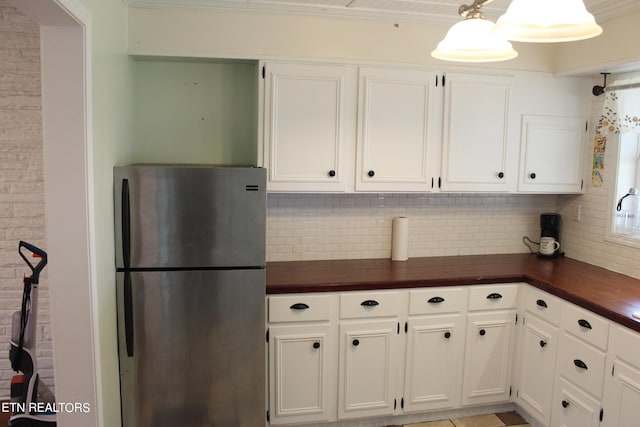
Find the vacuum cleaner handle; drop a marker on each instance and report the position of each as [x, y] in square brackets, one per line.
[37, 252]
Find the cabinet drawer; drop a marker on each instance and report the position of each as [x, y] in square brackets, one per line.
[437, 300]
[581, 364]
[370, 304]
[543, 305]
[299, 308]
[586, 326]
[493, 297]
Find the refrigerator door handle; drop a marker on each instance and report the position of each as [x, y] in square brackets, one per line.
[126, 224]
[128, 314]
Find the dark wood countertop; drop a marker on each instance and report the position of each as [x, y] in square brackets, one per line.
[611, 295]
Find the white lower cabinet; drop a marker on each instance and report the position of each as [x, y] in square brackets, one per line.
[487, 367]
[572, 407]
[538, 348]
[367, 383]
[580, 368]
[302, 359]
[433, 366]
[536, 354]
[369, 354]
[622, 382]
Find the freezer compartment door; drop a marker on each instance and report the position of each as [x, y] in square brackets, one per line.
[184, 216]
[196, 350]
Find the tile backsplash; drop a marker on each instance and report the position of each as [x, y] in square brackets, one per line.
[341, 226]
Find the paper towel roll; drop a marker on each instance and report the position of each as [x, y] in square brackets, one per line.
[400, 239]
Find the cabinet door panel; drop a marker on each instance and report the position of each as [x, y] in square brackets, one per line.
[538, 349]
[622, 396]
[298, 373]
[487, 366]
[475, 150]
[573, 408]
[397, 127]
[433, 363]
[552, 152]
[305, 119]
[368, 364]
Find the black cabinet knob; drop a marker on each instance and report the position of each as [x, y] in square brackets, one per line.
[482, 332]
[332, 173]
[355, 343]
[447, 335]
[543, 343]
[500, 175]
[532, 175]
[565, 403]
[371, 173]
[316, 345]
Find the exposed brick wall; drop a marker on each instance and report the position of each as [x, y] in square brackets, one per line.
[21, 181]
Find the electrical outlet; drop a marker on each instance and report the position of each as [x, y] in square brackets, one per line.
[577, 212]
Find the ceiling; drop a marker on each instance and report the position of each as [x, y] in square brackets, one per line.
[429, 11]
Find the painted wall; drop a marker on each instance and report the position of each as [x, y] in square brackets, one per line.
[249, 35]
[585, 240]
[210, 108]
[111, 141]
[614, 49]
[21, 181]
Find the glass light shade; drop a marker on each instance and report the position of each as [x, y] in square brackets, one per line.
[546, 21]
[471, 40]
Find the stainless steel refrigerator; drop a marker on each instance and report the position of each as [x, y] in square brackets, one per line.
[190, 288]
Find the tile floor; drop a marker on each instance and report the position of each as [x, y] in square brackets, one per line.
[503, 419]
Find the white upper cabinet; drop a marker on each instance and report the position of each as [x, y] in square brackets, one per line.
[349, 128]
[476, 155]
[399, 125]
[553, 113]
[308, 109]
[551, 154]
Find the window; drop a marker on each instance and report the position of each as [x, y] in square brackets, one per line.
[620, 121]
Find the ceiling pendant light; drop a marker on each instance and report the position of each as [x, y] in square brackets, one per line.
[547, 21]
[472, 40]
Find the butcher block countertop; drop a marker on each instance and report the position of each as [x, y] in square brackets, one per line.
[611, 295]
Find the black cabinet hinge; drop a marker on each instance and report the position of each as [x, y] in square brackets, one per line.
[406, 327]
[264, 72]
[517, 319]
[586, 125]
[432, 182]
[395, 404]
[443, 80]
[510, 390]
[268, 417]
[436, 80]
[439, 182]
[581, 184]
[267, 335]
[601, 414]
[398, 328]
[402, 403]
[613, 369]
